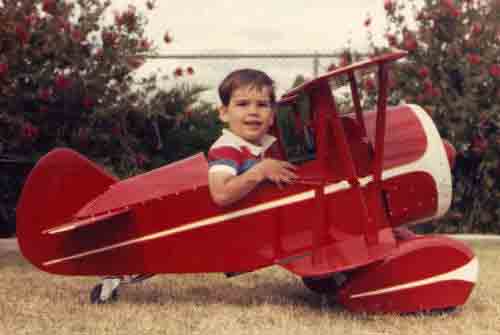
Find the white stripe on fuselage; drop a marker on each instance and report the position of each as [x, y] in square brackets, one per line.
[434, 154]
[195, 225]
[468, 273]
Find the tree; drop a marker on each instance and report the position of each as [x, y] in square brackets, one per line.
[453, 71]
[67, 78]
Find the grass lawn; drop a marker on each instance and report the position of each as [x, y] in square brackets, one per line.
[270, 301]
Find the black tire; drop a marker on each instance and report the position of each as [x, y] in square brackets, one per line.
[325, 285]
[95, 295]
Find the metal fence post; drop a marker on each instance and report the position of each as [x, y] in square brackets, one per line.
[315, 64]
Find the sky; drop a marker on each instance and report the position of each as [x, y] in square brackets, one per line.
[257, 26]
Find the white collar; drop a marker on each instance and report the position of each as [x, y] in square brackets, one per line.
[256, 150]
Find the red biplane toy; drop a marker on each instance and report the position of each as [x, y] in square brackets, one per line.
[363, 175]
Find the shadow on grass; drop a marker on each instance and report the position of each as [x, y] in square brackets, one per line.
[287, 293]
[212, 292]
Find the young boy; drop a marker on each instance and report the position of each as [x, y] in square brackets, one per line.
[236, 160]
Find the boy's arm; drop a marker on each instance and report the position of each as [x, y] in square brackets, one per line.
[226, 188]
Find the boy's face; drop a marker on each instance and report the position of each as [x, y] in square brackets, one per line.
[249, 113]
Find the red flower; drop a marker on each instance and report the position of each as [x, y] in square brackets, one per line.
[344, 61]
[76, 35]
[392, 40]
[188, 112]
[422, 16]
[88, 102]
[116, 130]
[367, 22]
[391, 82]
[4, 68]
[178, 72]
[31, 19]
[167, 38]
[119, 20]
[427, 84]
[436, 92]
[45, 94]
[428, 88]
[49, 6]
[144, 44]
[109, 38]
[410, 43]
[477, 28]
[423, 72]
[22, 34]
[63, 24]
[129, 18]
[99, 53]
[83, 135]
[29, 131]
[495, 70]
[479, 144]
[141, 159]
[474, 58]
[450, 6]
[369, 84]
[389, 5]
[455, 12]
[135, 62]
[190, 70]
[62, 82]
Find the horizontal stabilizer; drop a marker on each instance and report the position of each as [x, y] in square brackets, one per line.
[181, 176]
[73, 225]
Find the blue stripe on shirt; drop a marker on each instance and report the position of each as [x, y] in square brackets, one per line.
[227, 162]
[247, 165]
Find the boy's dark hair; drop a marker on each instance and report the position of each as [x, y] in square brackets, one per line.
[244, 77]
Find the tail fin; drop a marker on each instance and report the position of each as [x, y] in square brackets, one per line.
[58, 186]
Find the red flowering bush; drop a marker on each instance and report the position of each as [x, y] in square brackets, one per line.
[62, 71]
[453, 71]
[67, 79]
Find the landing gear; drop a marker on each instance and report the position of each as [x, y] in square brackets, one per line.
[100, 296]
[107, 290]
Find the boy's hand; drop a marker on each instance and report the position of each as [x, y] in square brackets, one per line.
[276, 171]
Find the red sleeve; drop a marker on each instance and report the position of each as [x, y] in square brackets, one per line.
[228, 156]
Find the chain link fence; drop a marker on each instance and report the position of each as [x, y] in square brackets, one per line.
[211, 68]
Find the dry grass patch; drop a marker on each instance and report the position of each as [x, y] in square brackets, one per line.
[271, 301]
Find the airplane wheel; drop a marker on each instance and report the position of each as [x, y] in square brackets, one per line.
[325, 286]
[95, 295]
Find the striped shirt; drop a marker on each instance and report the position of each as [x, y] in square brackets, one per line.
[234, 155]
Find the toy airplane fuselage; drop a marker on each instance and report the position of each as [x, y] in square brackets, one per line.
[370, 173]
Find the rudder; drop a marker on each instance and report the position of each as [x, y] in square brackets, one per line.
[58, 186]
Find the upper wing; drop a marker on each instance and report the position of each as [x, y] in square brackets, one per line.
[389, 57]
